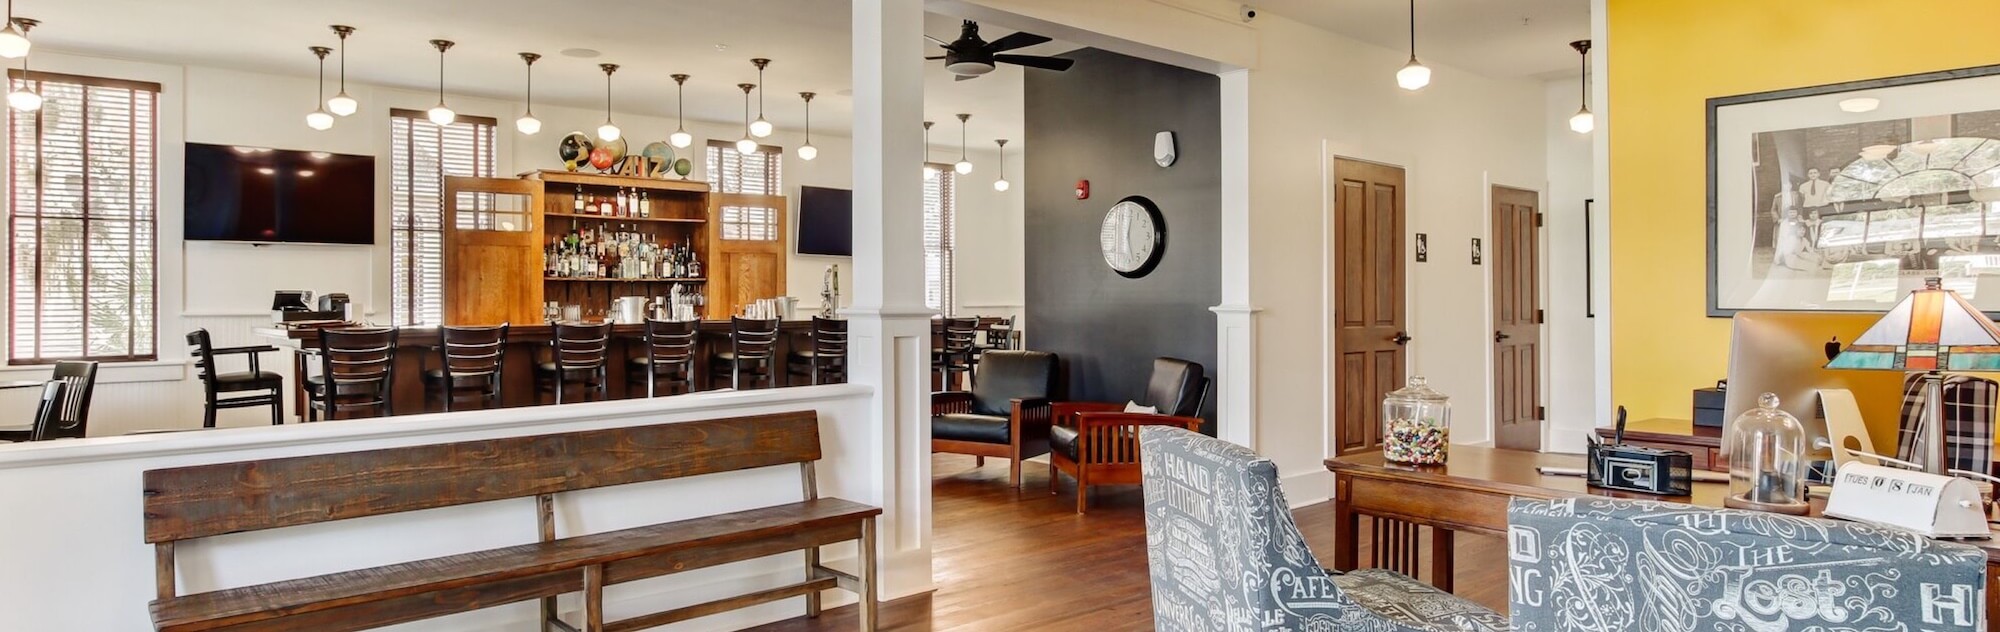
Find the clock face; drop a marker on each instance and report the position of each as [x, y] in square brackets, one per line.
[1132, 237]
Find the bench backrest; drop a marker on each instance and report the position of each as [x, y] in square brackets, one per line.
[208, 500]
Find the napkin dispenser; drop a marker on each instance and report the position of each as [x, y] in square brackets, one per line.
[1929, 504]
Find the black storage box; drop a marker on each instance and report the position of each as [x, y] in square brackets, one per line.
[1639, 469]
[1708, 405]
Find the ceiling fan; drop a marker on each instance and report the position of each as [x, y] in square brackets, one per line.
[970, 56]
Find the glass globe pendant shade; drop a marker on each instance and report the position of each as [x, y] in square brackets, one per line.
[24, 100]
[760, 128]
[963, 167]
[528, 125]
[442, 115]
[1583, 122]
[607, 131]
[319, 120]
[13, 44]
[1414, 75]
[342, 105]
[746, 146]
[808, 152]
[1002, 185]
[681, 139]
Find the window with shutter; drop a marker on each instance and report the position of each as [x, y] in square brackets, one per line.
[761, 173]
[422, 154]
[940, 207]
[81, 208]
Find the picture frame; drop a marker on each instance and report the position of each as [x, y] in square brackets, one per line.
[1844, 197]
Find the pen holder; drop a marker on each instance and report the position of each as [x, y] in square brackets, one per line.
[1638, 469]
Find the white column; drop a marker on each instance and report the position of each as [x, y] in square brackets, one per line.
[889, 327]
[1236, 318]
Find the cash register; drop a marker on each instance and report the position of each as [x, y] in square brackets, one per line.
[295, 307]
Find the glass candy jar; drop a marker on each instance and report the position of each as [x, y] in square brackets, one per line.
[1767, 454]
[1416, 424]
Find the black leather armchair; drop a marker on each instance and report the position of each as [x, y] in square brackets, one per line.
[1007, 413]
[1097, 443]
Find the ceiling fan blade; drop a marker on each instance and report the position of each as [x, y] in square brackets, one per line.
[1017, 40]
[938, 41]
[1046, 63]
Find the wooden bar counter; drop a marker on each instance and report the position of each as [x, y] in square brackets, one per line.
[526, 345]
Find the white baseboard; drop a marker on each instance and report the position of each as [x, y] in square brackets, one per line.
[1306, 488]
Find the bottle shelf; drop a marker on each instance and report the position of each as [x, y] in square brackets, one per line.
[616, 280]
[616, 218]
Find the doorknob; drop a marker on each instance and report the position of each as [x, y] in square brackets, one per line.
[1498, 336]
[1400, 338]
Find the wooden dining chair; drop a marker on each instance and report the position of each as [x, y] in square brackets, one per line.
[953, 358]
[824, 361]
[262, 388]
[470, 365]
[48, 413]
[357, 374]
[578, 354]
[753, 344]
[669, 356]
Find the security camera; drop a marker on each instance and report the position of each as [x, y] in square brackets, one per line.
[1248, 13]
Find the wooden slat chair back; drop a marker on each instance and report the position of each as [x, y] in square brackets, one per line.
[357, 370]
[48, 411]
[753, 343]
[579, 350]
[669, 354]
[188, 503]
[471, 360]
[79, 378]
[829, 342]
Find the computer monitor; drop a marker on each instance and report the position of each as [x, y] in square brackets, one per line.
[1786, 353]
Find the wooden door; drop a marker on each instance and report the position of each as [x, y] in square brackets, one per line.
[1369, 338]
[1517, 319]
[746, 259]
[492, 251]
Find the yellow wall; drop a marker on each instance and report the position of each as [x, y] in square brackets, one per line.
[1667, 57]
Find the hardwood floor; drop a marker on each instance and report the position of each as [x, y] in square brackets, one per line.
[1029, 562]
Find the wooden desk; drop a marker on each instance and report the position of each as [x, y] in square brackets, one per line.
[1470, 493]
[1704, 442]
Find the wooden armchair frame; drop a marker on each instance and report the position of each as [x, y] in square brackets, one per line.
[1107, 444]
[1027, 433]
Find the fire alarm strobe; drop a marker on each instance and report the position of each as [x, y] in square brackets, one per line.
[1083, 189]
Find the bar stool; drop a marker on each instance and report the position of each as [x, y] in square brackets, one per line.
[953, 356]
[469, 365]
[357, 373]
[825, 362]
[669, 355]
[266, 388]
[752, 345]
[579, 351]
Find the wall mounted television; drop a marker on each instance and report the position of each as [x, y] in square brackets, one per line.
[826, 222]
[259, 194]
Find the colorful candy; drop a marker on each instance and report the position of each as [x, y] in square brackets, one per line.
[1415, 441]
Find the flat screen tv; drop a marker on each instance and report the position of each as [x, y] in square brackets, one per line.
[826, 222]
[259, 194]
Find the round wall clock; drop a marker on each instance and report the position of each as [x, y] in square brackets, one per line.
[1133, 237]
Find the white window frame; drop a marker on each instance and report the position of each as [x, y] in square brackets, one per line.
[415, 290]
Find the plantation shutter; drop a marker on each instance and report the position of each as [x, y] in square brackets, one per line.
[940, 208]
[760, 173]
[422, 153]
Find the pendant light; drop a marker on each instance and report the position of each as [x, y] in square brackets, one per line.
[1584, 121]
[439, 114]
[341, 104]
[807, 151]
[528, 124]
[681, 138]
[964, 166]
[24, 98]
[1414, 75]
[748, 145]
[1002, 184]
[319, 119]
[760, 128]
[14, 42]
[607, 131]
[929, 173]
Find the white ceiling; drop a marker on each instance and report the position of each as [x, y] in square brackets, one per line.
[651, 39]
[1496, 38]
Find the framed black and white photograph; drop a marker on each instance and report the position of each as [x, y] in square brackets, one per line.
[1845, 197]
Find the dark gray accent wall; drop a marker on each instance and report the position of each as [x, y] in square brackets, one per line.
[1096, 122]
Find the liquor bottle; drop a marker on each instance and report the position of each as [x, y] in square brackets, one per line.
[645, 208]
[576, 207]
[618, 201]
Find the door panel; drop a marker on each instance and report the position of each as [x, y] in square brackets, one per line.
[1369, 320]
[492, 251]
[747, 242]
[1517, 326]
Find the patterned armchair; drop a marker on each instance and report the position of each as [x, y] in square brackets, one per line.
[1225, 555]
[1589, 564]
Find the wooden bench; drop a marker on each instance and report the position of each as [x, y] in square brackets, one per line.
[209, 500]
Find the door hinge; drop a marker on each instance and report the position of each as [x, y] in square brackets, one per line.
[1538, 220]
[1541, 317]
[1541, 413]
